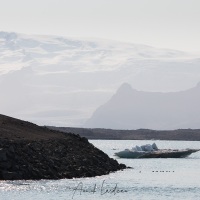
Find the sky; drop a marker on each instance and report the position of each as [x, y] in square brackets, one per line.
[161, 23]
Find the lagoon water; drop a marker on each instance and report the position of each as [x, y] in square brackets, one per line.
[150, 179]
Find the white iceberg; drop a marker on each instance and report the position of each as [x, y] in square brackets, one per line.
[152, 151]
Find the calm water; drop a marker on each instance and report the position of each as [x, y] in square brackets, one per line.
[150, 179]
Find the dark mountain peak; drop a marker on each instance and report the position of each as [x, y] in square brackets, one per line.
[125, 88]
[132, 109]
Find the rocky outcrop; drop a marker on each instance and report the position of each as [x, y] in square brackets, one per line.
[64, 156]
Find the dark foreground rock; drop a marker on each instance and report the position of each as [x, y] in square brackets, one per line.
[50, 155]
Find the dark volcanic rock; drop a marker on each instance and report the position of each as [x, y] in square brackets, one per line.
[28, 151]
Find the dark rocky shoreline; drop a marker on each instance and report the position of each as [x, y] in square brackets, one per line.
[54, 156]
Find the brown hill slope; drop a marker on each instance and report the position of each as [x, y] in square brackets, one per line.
[15, 129]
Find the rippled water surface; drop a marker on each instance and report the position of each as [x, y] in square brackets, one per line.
[150, 179]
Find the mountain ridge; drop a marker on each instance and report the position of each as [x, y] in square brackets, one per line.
[150, 110]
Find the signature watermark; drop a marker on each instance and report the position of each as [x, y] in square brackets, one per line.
[101, 189]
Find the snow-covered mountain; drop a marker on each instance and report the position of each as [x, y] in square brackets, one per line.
[55, 80]
[72, 55]
[132, 109]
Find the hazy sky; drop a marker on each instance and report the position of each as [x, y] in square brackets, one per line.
[160, 23]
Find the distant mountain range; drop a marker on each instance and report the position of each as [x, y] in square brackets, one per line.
[53, 80]
[139, 134]
[132, 109]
